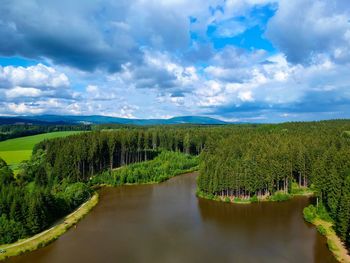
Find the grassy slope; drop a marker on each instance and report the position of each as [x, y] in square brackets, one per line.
[334, 243]
[14, 151]
[48, 236]
[318, 216]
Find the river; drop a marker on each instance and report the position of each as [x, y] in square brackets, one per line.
[167, 223]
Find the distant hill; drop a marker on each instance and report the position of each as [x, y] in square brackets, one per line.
[97, 119]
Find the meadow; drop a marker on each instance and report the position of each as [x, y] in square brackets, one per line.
[14, 151]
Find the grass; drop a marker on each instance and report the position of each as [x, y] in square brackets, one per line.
[324, 225]
[276, 197]
[16, 150]
[48, 236]
[300, 190]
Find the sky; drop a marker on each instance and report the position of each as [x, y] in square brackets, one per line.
[236, 60]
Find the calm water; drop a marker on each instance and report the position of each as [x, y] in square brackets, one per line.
[167, 223]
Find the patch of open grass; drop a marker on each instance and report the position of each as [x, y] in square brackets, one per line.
[300, 190]
[16, 150]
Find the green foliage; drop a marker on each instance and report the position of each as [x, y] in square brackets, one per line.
[310, 213]
[163, 167]
[278, 160]
[322, 213]
[244, 162]
[321, 230]
[76, 194]
[6, 174]
[279, 197]
[254, 199]
[8, 131]
[10, 230]
[17, 150]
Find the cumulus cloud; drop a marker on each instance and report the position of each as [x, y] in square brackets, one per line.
[33, 76]
[23, 92]
[94, 34]
[164, 58]
[303, 30]
[34, 90]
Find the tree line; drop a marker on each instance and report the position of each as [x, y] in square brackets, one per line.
[11, 131]
[28, 205]
[235, 160]
[57, 178]
[260, 162]
[81, 156]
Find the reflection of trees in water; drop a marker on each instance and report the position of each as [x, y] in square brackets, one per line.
[125, 197]
[274, 227]
[259, 224]
[256, 214]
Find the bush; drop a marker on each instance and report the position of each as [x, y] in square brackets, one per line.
[164, 166]
[76, 194]
[310, 213]
[254, 199]
[278, 196]
[10, 230]
[322, 213]
[321, 230]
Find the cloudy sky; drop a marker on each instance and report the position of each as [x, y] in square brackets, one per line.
[238, 60]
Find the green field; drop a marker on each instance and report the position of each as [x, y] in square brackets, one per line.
[14, 151]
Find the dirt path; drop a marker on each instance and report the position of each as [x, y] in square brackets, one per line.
[50, 234]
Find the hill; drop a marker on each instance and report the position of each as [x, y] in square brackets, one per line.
[98, 119]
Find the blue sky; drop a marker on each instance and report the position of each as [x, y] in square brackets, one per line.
[237, 60]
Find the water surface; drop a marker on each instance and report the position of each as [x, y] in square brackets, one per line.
[168, 223]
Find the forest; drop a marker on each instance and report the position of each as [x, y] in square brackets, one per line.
[260, 162]
[59, 176]
[166, 165]
[241, 161]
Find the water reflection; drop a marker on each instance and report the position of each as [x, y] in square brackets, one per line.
[168, 223]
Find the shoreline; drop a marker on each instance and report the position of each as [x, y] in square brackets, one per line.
[279, 197]
[44, 238]
[325, 228]
[335, 245]
[48, 236]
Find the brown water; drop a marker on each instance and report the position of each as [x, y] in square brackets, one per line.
[168, 223]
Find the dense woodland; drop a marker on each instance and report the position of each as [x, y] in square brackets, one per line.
[235, 160]
[58, 177]
[81, 156]
[29, 203]
[260, 162]
[166, 165]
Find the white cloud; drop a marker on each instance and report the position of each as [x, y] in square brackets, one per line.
[40, 76]
[23, 92]
[318, 27]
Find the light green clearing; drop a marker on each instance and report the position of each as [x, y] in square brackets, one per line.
[16, 150]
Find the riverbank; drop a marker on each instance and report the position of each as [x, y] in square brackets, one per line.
[276, 197]
[325, 228]
[46, 237]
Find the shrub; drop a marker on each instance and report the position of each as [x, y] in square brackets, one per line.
[279, 197]
[254, 199]
[321, 230]
[310, 213]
